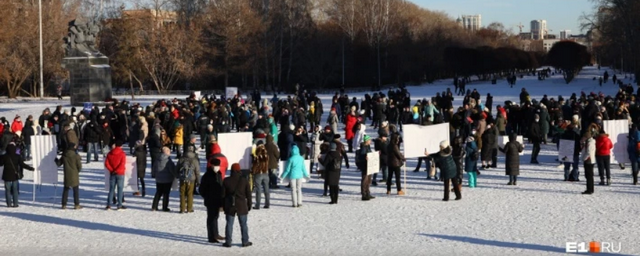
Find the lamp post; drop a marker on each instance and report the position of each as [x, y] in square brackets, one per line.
[41, 58]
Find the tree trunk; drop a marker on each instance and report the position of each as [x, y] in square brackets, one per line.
[133, 97]
[280, 60]
[290, 59]
[379, 78]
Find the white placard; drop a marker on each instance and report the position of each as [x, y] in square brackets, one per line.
[229, 92]
[237, 148]
[373, 162]
[618, 131]
[566, 150]
[283, 164]
[43, 153]
[197, 94]
[502, 140]
[130, 176]
[418, 137]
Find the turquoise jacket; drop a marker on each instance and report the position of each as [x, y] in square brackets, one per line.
[295, 166]
[274, 130]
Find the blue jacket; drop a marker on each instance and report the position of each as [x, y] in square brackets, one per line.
[295, 166]
[634, 138]
[274, 130]
[469, 165]
[431, 111]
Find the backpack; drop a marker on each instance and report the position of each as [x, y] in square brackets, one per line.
[186, 171]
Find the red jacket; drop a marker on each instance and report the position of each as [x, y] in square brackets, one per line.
[116, 161]
[348, 129]
[603, 145]
[216, 152]
[16, 126]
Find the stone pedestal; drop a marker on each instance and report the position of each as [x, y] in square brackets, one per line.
[89, 79]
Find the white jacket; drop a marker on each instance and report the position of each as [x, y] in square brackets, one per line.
[589, 151]
[357, 139]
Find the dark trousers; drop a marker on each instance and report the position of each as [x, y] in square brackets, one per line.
[243, 228]
[588, 174]
[604, 165]
[513, 179]
[213, 213]
[350, 146]
[365, 184]
[162, 190]
[333, 192]
[141, 181]
[394, 171]
[494, 158]
[535, 151]
[634, 171]
[65, 195]
[273, 178]
[11, 192]
[326, 186]
[456, 188]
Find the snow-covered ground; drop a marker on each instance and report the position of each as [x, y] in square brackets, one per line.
[537, 217]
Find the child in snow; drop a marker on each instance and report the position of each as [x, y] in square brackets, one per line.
[471, 161]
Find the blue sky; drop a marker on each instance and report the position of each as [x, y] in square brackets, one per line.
[560, 14]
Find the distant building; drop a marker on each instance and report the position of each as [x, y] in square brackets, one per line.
[565, 34]
[470, 22]
[548, 43]
[538, 29]
[525, 35]
[550, 36]
[150, 16]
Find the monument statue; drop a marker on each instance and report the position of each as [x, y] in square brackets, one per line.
[89, 70]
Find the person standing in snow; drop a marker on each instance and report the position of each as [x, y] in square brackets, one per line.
[332, 163]
[603, 157]
[115, 163]
[512, 151]
[213, 193]
[72, 166]
[12, 173]
[164, 171]
[189, 178]
[260, 172]
[237, 202]
[471, 161]
[365, 182]
[448, 173]
[535, 136]
[395, 161]
[588, 156]
[295, 172]
[634, 152]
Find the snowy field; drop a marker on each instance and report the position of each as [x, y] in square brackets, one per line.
[537, 217]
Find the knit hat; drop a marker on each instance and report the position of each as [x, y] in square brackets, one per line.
[235, 167]
[215, 161]
[327, 127]
[366, 138]
[292, 127]
[444, 144]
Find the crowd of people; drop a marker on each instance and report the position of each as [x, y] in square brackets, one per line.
[291, 130]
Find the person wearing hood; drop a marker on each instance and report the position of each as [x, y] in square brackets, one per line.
[535, 136]
[633, 149]
[350, 122]
[274, 157]
[115, 163]
[72, 166]
[213, 193]
[216, 153]
[189, 175]
[588, 156]
[164, 171]
[395, 160]
[28, 131]
[332, 163]
[471, 161]
[237, 201]
[362, 159]
[489, 143]
[17, 124]
[444, 160]
[295, 172]
[512, 151]
[260, 172]
[603, 157]
[13, 165]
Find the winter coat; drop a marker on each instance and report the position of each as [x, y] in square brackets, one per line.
[273, 152]
[141, 159]
[12, 163]
[361, 157]
[116, 161]
[471, 165]
[501, 123]
[333, 121]
[535, 132]
[301, 141]
[92, 132]
[72, 166]
[239, 186]
[332, 176]
[216, 152]
[211, 189]
[545, 120]
[27, 132]
[589, 151]
[359, 136]
[285, 140]
[155, 144]
[489, 143]
[295, 168]
[16, 126]
[431, 111]
[512, 160]
[164, 170]
[178, 137]
[350, 122]
[7, 137]
[190, 158]
[260, 164]
[603, 145]
[383, 148]
[632, 148]
[395, 158]
[315, 147]
[444, 161]
[70, 140]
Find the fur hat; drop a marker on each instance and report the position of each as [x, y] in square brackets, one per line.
[444, 144]
[292, 127]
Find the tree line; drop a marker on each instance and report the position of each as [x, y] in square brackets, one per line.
[264, 44]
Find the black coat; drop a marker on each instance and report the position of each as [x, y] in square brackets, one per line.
[27, 132]
[141, 159]
[332, 175]
[535, 132]
[92, 132]
[236, 183]
[383, 147]
[211, 189]
[489, 142]
[12, 163]
[512, 163]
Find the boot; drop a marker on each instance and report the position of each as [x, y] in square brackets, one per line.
[635, 179]
[401, 193]
[608, 182]
[601, 183]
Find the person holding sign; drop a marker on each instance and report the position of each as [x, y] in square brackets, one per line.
[512, 163]
[444, 160]
[365, 183]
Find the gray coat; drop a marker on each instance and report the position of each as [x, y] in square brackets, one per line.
[164, 170]
[192, 159]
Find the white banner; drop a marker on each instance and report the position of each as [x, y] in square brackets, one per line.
[373, 162]
[198, 94]
[566, 151]
[618, 131]
[237, 148]
[502, 140]
[283, 164]
[130, 176]
[229, 92]
[43, 153]
[417, 138]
